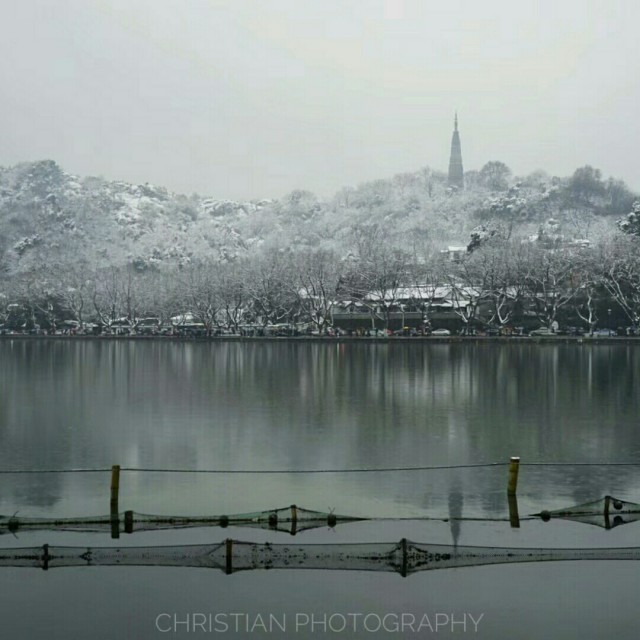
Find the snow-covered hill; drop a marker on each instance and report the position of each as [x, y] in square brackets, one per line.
[48, 216]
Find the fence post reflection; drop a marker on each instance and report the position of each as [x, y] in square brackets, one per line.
[514, 517]
[113, 505]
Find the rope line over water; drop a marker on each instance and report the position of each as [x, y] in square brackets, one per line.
[580, 464]
[17, 471]
[297, 471]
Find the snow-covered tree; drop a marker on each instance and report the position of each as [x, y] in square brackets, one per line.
[586, 185]
[232, 294]
[631, 222]
[317, 279]
[495, 175]
[377, 273]
[269, 289]
[550, 282]
[589, 276]
[622, 275]
[200, 294]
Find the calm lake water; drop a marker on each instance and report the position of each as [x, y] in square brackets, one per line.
[316, 406]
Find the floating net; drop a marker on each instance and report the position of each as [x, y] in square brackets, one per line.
[607, 512]
[291, 519]
[404, 557]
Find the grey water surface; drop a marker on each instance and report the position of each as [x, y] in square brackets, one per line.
[274, 406]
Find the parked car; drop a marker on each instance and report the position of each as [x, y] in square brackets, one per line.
[121, 326]
[221, 331]
[92, 328]
[191, 329]
[148, 326]
[599, 333]
[68, 327]
[441, 332]
[543, 331]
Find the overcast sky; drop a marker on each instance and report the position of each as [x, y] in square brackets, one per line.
[253, 98]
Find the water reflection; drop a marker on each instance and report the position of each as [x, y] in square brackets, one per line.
[456, 502]
[265, 405]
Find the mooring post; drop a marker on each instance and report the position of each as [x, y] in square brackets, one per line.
[114, 510]
[115, 483]
[514, 467]
[607, 506]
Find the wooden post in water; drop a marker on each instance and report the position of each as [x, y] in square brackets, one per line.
[607, 506]
[512, 485]
[115, 483]
[114, 510]
[514, 467]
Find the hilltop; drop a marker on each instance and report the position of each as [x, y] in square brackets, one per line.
[48, 216]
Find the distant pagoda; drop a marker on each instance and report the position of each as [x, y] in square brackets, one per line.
[456, 172]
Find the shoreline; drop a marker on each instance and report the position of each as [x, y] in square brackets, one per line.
[581, 340]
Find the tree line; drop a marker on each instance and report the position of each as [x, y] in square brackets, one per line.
[499, 280]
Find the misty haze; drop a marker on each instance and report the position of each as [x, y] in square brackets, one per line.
[346, 290]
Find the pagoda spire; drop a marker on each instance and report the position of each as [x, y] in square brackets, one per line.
[456, 171]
